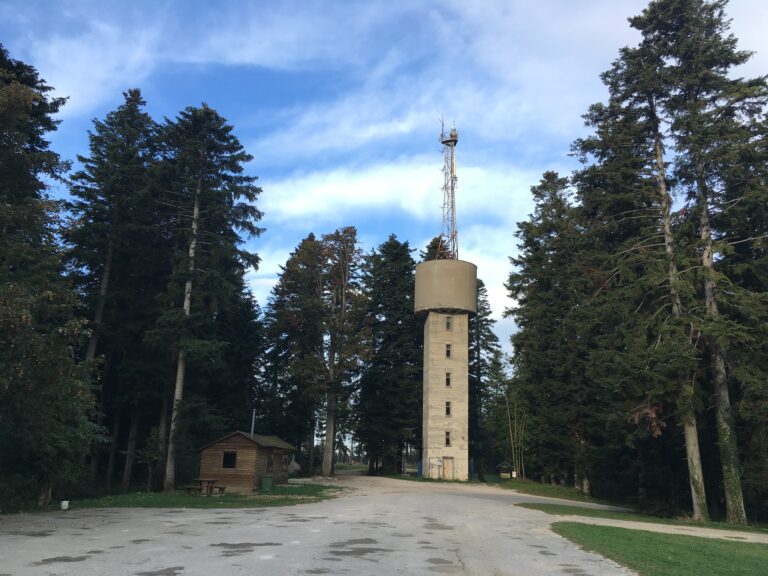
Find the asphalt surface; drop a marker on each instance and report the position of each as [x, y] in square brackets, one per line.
[378, 527]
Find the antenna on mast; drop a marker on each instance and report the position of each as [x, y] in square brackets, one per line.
[449, 242]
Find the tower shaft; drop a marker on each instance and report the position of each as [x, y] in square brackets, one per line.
[445, 423]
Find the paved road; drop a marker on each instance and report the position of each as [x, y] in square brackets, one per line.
[379, 527]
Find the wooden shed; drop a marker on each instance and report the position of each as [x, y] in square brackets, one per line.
[239, 460]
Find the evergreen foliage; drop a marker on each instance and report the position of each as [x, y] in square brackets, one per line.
[652, 318]
[389, 399]
[45, 395]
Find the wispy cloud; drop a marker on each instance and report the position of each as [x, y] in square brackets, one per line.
[515, 77]
[104, 59]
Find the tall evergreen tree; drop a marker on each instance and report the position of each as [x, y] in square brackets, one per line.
[120, 261]
[709, 115]
[44, 393]
[484, 350]
[290, 391]
[214, 206]
[343, 324]
[388, 399]
[544, 359]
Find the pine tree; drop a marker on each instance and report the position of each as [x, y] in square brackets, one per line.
[388, 399]
[214, 204]
[545, 365]
[44, 393]
[709, 115]
[343, 323]
[484, 350]
[294, 376]
[120, 261]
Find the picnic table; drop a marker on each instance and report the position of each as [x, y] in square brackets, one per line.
[205, 487]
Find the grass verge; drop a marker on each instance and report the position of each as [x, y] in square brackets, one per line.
[548, 490]
[282, 495]
[564, 510]
[652, 554]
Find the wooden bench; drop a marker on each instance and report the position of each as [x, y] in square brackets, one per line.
[219, 490]
[192, 490]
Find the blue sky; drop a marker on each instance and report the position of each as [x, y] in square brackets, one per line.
[339, 102]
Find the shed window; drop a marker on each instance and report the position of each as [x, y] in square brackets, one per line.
[230, 460]
[447, 350]
[449, 323]
[447, 408]
[270, 461]
[447, 438]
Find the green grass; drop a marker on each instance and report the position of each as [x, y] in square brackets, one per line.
[564, 510]
[548, 490]
[652, 554]
[282, 495]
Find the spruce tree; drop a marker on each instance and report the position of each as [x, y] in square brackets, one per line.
[388, 400]
[44, 394]
[484, 349]
[709, 115]
[343, 305]
[291, 389]
[214, 211]
[120, 261]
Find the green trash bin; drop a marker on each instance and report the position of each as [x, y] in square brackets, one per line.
[266, 483]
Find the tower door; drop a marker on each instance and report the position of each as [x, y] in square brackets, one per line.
[447, 468]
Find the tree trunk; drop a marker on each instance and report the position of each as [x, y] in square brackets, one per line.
[686, 406]
[512, 442]
[44, 494]
[98, 317]
[726, 432]
[113, 451]
[90, 353]
[169, 481]
[162, 438]
[130, 453]
[311, 447]
[693, 455]
[330, 435]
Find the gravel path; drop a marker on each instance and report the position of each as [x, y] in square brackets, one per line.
[378, 527]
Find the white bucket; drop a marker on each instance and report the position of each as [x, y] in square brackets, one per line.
[65, 504]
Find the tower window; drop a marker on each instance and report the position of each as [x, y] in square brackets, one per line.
[447, 350]
[449, 323]
[447, 379]
[447, 438]
[447, 408]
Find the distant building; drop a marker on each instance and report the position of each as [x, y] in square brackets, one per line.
[239, 460]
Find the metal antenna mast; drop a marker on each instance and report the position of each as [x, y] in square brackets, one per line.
[449, 245]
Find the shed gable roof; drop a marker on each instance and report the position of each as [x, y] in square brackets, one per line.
[261, 440]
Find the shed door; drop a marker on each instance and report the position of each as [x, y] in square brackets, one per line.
[447, 468]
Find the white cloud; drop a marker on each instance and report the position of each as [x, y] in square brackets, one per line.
[408, 186]
[491, 199]
[98, 63]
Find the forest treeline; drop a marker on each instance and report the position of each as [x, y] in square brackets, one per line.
[129, 337]
[641, 282]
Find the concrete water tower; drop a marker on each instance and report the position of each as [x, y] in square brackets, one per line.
[446, 296]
